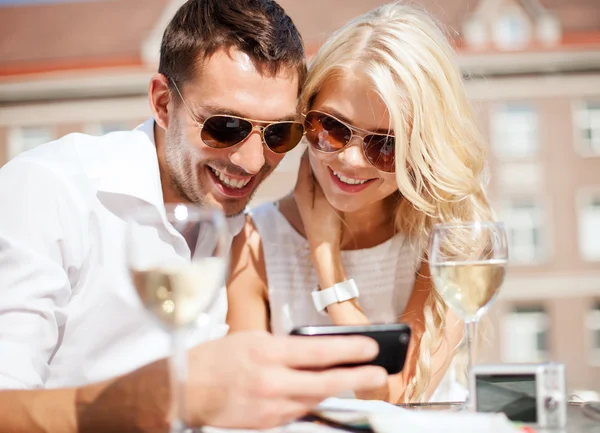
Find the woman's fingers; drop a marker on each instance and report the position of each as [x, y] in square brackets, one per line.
[305, 185]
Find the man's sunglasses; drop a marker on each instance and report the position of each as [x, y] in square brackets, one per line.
[327, 134]
[221, 131]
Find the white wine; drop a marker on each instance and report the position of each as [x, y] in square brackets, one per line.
[468, 287]
[177, 296]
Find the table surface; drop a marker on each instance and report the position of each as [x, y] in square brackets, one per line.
[577, 422]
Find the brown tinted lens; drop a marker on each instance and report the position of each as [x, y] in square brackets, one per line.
[380, 151]
[225, 131]
[326, 133]
[284, 136]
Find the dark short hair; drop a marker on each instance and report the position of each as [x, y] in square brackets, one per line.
[259, 28]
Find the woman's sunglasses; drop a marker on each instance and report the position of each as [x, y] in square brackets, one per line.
[221, 131]
[327, 134]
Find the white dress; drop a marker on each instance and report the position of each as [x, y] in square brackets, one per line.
[385, 275]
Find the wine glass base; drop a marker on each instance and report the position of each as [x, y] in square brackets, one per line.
[179, 427]
[464, 406]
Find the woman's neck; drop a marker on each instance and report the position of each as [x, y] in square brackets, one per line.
[369, 226]
[362, 229]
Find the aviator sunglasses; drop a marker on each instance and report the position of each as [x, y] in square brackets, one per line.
[328, 134]
[221, 131]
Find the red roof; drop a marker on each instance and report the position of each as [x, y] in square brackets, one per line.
[75, 35]
[109, 33]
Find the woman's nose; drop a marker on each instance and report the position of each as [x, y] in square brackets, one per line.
[352, 154]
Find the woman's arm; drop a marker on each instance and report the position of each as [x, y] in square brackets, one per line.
[330, 270]
[441, 358]
[247, 284]
[322, 226]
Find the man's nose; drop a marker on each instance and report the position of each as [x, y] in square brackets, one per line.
[250, 155]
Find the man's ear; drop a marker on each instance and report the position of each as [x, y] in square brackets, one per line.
[159, 96]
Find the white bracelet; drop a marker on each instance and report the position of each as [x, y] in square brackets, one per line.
[339, 292]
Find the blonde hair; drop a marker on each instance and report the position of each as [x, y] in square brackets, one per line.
[440, 155]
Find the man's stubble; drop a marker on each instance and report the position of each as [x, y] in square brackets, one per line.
[183, 173]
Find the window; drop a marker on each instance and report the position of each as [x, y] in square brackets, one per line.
[589, 129]
[593, 324]
[474, 32]
[512, 30]
[27, 137]
[589, 227]
[524, 226]
[107, 127]
[520, 176]
[515, 132]
[548, 29]
[525, 335]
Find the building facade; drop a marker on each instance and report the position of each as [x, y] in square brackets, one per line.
[532, 71]
[533, 74]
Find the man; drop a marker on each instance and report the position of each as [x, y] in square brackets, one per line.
[68, 314]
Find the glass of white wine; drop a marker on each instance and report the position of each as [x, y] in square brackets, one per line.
[468, 263]
[177, 285]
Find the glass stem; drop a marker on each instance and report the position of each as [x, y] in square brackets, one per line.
[471, 351]
[178, 378]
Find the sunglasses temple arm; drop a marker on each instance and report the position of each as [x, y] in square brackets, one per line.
[185, 105]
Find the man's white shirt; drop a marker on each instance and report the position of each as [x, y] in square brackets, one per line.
[69, 314]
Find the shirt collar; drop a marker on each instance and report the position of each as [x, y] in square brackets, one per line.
[135, 171]
[236, 223]
[131, 168]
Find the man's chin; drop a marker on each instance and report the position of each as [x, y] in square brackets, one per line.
[230, 206]
[233, 207]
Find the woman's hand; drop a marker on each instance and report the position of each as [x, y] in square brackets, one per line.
[322, 223]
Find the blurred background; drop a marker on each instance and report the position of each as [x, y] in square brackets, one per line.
[532, 70]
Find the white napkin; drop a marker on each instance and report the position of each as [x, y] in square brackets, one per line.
[424, 421]
[383, 417]
[352, 412]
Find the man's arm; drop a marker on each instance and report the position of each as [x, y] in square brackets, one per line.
[36, 251]
[244, 380]
[137, 402]
[38, 411]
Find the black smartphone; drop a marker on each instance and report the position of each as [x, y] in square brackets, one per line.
[393, 340]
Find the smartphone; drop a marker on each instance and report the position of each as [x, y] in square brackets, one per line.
[393, 340]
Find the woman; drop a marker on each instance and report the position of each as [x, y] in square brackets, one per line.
[393, 149]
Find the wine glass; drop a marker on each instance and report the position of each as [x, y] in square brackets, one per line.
[468, 263]
[177, 261]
